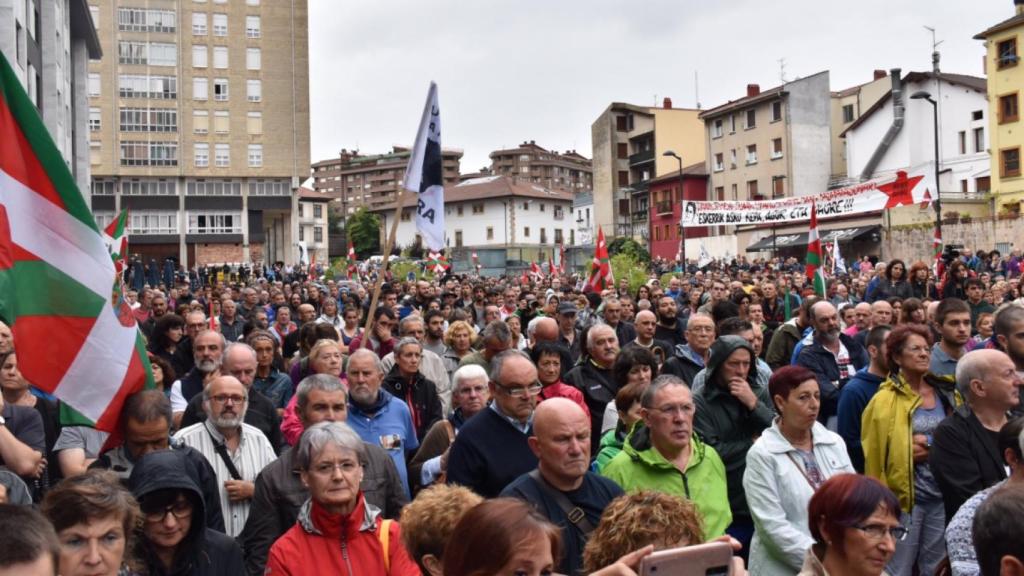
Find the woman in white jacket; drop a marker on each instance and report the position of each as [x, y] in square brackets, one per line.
[784, 468]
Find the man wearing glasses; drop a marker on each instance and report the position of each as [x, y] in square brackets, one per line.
[236, 450]
[491, 449]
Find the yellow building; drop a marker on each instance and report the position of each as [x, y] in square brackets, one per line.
[1006, 131]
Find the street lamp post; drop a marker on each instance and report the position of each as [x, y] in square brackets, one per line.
[923, 95]
[682, 196]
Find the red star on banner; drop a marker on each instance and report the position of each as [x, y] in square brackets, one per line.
[900, 190]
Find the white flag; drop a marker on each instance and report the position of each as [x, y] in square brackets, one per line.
[705, 258]
[424, 175]
[838, 266]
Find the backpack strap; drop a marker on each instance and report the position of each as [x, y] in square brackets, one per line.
[384, 535]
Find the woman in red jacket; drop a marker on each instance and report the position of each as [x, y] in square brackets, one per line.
[337, 531]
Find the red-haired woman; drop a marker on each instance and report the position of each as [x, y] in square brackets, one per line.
[502, 537]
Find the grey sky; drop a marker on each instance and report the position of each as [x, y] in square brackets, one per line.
[509, 71]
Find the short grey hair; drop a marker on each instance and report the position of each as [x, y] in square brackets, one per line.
[239, 346]
[498, 362]
[468, 372]
[404, 323]
[322, 382]
[659, 384]
[531, 327]
[407, 341]
[497, 330]
[366, 352]
[593, 330]
[319, 435]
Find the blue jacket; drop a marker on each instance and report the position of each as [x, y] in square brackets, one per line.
[853, 398]
[388, 424]
[823, 363]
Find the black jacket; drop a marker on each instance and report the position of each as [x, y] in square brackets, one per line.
[819, 360]
[625, 332]
[203, 551]
[280, 493]
[260, 413]
[682, 365]
[964, 458]
[420, 394]
[598, 390]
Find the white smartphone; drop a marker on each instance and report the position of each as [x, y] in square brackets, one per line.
[711, 559]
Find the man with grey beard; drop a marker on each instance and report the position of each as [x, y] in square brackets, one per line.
[833, 356]
[208, 351]
[236, 451]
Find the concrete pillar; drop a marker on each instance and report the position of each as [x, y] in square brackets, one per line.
[245, 222]
[182, 225]
[81, 163]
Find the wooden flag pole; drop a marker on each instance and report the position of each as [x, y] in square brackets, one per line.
[388, 244]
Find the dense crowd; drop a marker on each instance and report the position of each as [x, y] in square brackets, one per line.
[530, 426]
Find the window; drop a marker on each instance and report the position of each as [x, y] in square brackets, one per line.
[977, 115]
[1009, 162]
[198, 24]
[526, 231]
[979, 139]
[735, 194]
[252, 26]
[623, 150]
[558, 236]
[255, 155]
[776, 148]
[143, 86]
[226, 222]
[543, 235]
[102, 187]
[200, 88]
[963, 187]
[163, 54]
[205, 187]
[199, 57]
[252, 59]
[221, 122]
[751, 189]
[716, 129]
[458, 210]
[719, 193]
[620, 124]
[732, 123]
[220, 57]
[302, 229]
[526, 206]
[201, 153]
[983, 184]
[252, 2]
[220, 24]
[719, 162]
[94, 85]
[220, 89]
[776, 110]
[623, 178]
[490, 232]
[778, 186]
[848, 113]
[751, 154]
[145, 187]
[148, 119]
[143, 20]
[200, 121]
[222, 155]
[154, 222]
[1007, 53]
[254, 123]
[95, 154]
[254, 90]
[94, 11]
[149, 153]
[478, 208]
[541, 206]
[962, 141]
[94, 120]
[318, 211]
[318, 234]
[732, 158]
[1008, 108]
[458, 238]
[751, 119]
[270, 188]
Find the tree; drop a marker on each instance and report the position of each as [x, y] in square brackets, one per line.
[364, 233]
[629, 247]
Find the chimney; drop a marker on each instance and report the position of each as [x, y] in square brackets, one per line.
[666, 103]
[753, 90]
[879, 74]
[1019, 6]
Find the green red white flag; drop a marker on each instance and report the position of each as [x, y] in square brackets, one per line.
[601, 276]
[937, 250]
[56, 274]
[351, 259]
[814, 256]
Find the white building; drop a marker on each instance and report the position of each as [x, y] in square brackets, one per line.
[583, 206]
[48, 44]
[313, 227]
[963, 141]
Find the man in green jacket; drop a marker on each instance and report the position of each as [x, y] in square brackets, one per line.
[663, 454]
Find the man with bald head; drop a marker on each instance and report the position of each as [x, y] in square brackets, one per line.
[881, 315]
[833, 356]
[307, 314]
[964, 454]
[562, 487]
[646, 326]
[236, 451]
[861, 319]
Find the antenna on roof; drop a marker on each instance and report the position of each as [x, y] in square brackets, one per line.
[935, 49]
[696, 89]
[782, 70]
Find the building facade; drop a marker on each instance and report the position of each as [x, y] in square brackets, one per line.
[629, 146]
[371, 181]
[48, 44]
[314, 231]
[531, 163]
[199, 121]
[1003, 43]
[666, 200]
[846, 107]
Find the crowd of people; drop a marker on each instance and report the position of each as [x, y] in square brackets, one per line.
[496, 426]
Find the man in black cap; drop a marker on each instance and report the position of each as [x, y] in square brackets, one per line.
[568, 335]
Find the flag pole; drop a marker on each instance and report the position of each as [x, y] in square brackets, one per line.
[388, 244]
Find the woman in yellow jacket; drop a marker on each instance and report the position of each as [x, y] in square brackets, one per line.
[896, 432]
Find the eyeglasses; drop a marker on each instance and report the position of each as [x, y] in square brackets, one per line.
[521, 391]
[327, 468]
[225, 398]
[879, 531]
[181, 510]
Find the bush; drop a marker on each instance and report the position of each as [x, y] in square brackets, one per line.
[629, 247]
[628, 267]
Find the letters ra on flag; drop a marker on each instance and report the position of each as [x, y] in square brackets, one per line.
[424, 174]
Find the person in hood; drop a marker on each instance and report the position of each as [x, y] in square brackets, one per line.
[733, 409]
[174, 539]
[337, 531]
[663, 454]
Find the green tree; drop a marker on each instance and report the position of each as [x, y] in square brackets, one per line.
[364, 233]
[627, 266]
[631, 248]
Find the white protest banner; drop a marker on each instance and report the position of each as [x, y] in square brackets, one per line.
[903, 190]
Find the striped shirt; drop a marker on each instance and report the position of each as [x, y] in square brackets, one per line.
[254, 452]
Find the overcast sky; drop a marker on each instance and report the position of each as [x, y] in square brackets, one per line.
[509, 71]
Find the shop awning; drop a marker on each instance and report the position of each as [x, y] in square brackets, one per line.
[797, 239]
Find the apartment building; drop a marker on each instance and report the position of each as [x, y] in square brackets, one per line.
[846, 107]
[199, 123]
[629, 145]
[667, 195]
[529, 162]
[48, 44]
[313, 223]
[1005, 78]
[371, 181]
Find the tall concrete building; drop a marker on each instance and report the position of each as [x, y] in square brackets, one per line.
[629, 145]
[199, 121]
[531, 163]
[48, 44]
[371, 181]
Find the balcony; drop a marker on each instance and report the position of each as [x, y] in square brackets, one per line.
[641, 157]
[639, 216]
[664, 208]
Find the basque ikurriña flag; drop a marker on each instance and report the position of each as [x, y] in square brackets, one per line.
[814, 256]
[56, 274]
[424, 175]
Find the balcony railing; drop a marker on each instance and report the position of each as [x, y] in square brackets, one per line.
[664, 208]
[640, 216]
[641, 157]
